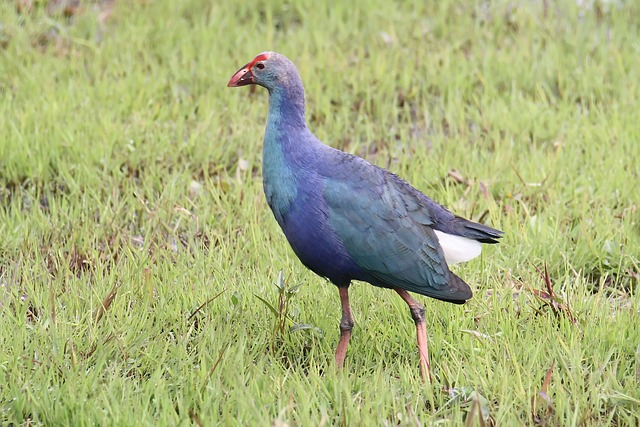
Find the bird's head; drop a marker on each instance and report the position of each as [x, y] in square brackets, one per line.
[269, 69]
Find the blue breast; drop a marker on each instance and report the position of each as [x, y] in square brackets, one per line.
[313, 239]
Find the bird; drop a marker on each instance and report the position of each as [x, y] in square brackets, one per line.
[349, 220]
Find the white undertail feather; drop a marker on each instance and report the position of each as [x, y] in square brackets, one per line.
[457, 248]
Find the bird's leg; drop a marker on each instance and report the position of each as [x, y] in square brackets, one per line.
[346, 324]
[417, 313]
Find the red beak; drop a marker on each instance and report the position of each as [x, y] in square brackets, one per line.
[242, 77]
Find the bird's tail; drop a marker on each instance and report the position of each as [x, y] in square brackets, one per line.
[476, 231]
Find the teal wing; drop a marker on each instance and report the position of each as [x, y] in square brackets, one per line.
[386, 230]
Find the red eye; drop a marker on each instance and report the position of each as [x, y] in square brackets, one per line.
[260, 66]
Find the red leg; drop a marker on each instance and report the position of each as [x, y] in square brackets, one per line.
[417, 313]
[346, 324]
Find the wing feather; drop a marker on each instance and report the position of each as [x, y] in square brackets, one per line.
[386, 230]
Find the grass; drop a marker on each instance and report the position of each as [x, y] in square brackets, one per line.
[139, 260]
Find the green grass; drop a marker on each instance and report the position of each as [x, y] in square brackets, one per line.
[127, 167]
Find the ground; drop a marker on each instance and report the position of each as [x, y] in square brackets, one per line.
[143, 279]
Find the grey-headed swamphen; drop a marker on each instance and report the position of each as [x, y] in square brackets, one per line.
[347, 219]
